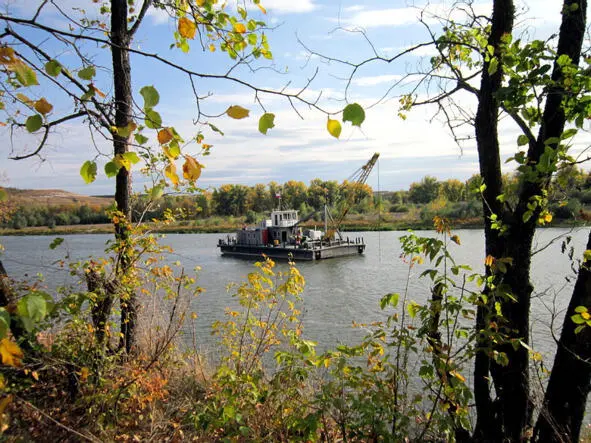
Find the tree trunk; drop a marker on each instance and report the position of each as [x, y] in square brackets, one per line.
[486, 126]
[121, 39]
[513, 409]
[566, 396]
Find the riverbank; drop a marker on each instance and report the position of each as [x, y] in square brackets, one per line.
[214, 225]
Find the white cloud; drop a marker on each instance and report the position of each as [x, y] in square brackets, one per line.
[158, 16]
[376, 80]
[354, 8]
[409, 15]
[289, 6]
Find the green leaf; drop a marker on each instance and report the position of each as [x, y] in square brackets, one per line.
[140, 139]
[522, 140]
[580, 309]
[88, 171]
[413, 308]
[3, 195]
[568, 133]
[493, 66]
[34, 123]
[53, 68]
[32, 307]
[354, 113]
[389, 299]
[266, 122]
[111, 169]
[215, 129]
[334, 128]
[131, 157]
[153, 119]
[174, 149]
[87, 73]
[577, 319]
[4, 322]
[25, 74]
[151, 96]
[157, 191]
[56, 242]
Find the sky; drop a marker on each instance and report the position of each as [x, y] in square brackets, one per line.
[299, 146]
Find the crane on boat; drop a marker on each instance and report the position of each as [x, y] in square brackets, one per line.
[358, 179]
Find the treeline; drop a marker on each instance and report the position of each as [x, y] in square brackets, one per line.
[454, 199]
[569, 194]
[47, 215]
[252, 201]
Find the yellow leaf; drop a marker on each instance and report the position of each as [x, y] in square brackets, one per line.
[455, 239]
[240, 28]
[263, 10]
[42, 106]
[237, 112]
[35, 375]
[200, 2]
[187, 28]
[170, 172]
[212, 47]
[191, 168]
[334, 128]
[7, 56]
[548, 217]
[98, 92]
[84, 372]
[489, 260]
[10, 352]
[164, 136]
[458, 376]
[26, 100]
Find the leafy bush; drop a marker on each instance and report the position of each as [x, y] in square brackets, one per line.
[568, 211]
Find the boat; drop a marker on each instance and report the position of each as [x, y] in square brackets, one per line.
[282, 237]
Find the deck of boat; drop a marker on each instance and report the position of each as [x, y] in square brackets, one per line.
[318, 252]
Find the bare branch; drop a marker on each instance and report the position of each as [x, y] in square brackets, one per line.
[140, 17]
[47, 127]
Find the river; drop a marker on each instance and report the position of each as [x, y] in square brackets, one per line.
[338, 291]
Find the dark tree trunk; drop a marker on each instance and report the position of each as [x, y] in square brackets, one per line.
[566, 396]
[512, 408]
[486, 125]
[121, 39]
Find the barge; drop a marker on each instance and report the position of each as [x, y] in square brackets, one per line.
[280, 237]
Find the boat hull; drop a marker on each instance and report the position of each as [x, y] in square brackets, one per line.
[298, 254]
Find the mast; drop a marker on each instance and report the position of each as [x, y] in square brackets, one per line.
[325, 220]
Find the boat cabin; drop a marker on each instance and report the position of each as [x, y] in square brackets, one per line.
[284, 219]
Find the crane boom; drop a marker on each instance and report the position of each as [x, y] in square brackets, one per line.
[358, 178]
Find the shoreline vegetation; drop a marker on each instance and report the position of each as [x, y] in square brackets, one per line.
[232, 206]
[214, 225]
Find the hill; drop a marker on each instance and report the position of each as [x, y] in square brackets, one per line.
[53, 197]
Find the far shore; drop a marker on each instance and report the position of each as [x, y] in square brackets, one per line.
[203, 227]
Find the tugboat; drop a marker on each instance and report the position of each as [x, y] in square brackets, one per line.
[281, 237]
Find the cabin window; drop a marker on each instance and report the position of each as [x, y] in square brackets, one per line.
[276, 219]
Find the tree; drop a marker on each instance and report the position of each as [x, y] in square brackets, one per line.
[294, 194]
[424, 192]
[32, 54]
[453, 190]
[258, 200]
[540, 87]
